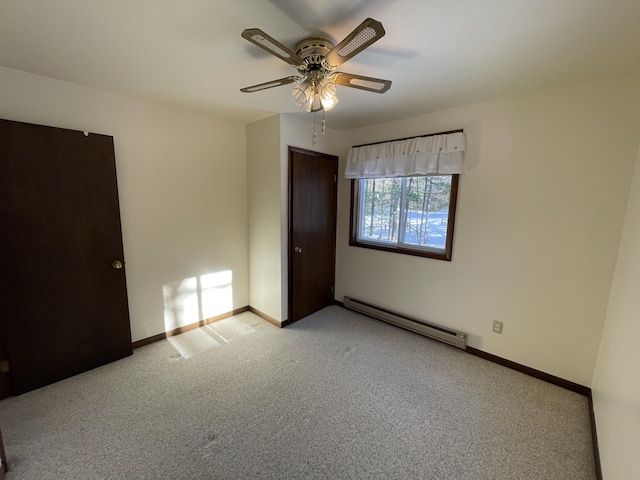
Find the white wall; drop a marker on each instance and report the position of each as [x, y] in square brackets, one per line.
[268, 143]
[264, 187]
[540, 212]
[183, 197]
[616, 382]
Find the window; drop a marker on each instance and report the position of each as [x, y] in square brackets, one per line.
[410, 215]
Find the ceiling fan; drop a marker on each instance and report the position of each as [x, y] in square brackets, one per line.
[316, 60]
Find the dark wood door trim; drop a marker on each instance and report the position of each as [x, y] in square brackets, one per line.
[290, 245]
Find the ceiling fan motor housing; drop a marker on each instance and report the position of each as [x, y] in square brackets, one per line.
[314, 51]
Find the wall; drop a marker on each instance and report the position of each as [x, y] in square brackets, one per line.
[616, 382]
[268, 143]
[540, 212]
[183, 197]
[264, 187]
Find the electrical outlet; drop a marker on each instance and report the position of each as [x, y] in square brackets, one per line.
[497, 326]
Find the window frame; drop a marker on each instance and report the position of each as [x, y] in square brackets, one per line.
[437, 254]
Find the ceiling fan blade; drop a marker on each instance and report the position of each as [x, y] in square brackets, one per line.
[364, 35]
[271, 45]
[271, 84]
[369, 84]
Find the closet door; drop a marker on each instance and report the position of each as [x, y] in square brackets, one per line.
[312, 231]
[64, 309]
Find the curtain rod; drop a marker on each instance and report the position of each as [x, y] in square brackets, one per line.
[408, 138]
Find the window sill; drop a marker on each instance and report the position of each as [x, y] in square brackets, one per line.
[437, 255]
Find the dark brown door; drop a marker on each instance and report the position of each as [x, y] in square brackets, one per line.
[64, 307]
[312, 231]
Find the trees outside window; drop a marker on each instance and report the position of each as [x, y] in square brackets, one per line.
[411, 215]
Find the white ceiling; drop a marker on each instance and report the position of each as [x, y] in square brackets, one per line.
[438, 53]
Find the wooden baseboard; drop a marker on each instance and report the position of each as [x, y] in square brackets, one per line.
[268, 318]
[561, 382]
[594, 438]
[186, 328]
[202, 323]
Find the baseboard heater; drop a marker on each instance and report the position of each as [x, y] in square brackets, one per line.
[442, 334]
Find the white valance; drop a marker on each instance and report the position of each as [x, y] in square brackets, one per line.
[432, 155]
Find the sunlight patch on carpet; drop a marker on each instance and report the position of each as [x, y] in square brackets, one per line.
[191, 343]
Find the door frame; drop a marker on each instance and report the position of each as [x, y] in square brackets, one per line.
[291, 151]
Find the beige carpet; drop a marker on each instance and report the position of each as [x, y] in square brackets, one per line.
[336, 395]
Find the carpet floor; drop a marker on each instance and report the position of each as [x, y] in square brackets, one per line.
[336, 395]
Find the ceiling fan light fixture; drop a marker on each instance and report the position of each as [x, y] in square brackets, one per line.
[327, 90]
[315, 103]
[314, 96]
[302, 92]
[329, 104]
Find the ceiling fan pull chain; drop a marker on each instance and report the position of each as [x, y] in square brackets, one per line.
[315, 137]
[324, 123]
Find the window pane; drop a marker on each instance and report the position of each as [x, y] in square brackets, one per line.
[427, 210]
[410, 215]
[380, 209]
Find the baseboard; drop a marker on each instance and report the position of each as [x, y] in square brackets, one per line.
[186, 328]
[202, 323]
[594, 438]
[560, 382]
[153, 339]
[268, 318]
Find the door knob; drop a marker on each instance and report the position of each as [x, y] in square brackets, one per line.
[297, 249]
[117, 264]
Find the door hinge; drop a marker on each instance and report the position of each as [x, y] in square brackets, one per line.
[4, 366]
[331, 288]
[335, 178]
